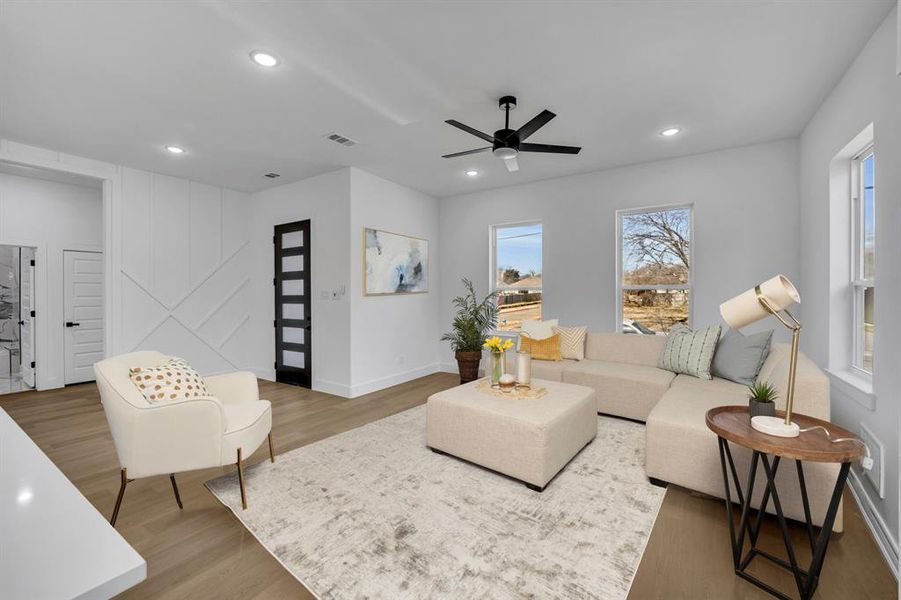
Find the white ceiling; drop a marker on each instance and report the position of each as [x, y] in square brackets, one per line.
[118, 80]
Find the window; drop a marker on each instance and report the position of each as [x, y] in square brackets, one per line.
[863, 259]
[654, 274]
[516, 273]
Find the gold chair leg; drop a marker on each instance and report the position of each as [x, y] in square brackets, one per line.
[175, 489]
[124, 481]
[271, 450]
[241, 481]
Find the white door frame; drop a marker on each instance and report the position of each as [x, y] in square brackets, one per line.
[108, 174]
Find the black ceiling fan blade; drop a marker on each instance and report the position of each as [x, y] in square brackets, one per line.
[468, 129]
[549, 148]
[465, 152]
[535, 124]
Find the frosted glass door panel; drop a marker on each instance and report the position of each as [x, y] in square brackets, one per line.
[292, 287]
[293, 311]
[293, 359]
[293, 335]
[292, 263]
[292, 239]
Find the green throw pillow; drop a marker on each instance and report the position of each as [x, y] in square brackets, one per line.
[689, 352]
[739, 358]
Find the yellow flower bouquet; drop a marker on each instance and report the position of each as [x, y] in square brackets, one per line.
[498, 348]
[498, 345]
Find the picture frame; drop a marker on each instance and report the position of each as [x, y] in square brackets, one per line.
[394, 263]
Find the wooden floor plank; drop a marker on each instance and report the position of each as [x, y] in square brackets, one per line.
[203, 552]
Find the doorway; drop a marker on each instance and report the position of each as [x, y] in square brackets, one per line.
[293, 323]
[17, 318]
[83, 313]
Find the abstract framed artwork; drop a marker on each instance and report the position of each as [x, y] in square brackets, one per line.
[394, 263]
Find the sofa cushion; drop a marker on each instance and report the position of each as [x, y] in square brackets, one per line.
[728, 391]
[624, 390]
[690, 352]
[739, 357]
[552, 370]
[621, 348]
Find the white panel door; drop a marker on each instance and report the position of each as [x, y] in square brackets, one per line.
[83, 292]
[26, 320]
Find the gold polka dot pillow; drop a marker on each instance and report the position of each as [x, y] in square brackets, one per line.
[173, 381]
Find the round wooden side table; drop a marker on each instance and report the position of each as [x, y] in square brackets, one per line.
[733, 424]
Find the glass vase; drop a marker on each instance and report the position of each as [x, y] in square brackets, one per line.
[497, 366]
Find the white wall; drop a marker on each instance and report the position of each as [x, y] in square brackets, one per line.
[870, 92]
[325, 200]
[52, 217]
[745, 216]
[184, 270]
[393, 338]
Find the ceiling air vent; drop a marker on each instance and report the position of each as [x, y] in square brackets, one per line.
[271, 175]
[341, 139]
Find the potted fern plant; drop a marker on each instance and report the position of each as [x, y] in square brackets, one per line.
[762, 401]
[474, 319]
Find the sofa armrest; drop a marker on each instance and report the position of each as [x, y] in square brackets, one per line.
[233, 387]
[811, 390]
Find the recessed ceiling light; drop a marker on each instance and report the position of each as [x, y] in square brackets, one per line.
[175, 149]
[264, 59]
[472, 173]
[670, 131]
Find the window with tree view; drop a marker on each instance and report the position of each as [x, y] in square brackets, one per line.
[516, 267]
[655, 269]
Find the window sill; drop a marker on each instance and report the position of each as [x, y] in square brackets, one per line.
[858, 388]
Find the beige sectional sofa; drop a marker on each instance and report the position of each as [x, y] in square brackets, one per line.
[623, 371]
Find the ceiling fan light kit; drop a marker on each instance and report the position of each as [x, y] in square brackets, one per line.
[507, 143]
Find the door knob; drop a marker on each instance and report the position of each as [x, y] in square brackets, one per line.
[72, 324]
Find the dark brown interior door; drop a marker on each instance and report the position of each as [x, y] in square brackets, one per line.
[293, 325]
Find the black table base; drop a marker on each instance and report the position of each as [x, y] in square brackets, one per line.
[806, 580]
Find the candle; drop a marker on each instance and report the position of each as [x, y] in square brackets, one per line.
[523, 368]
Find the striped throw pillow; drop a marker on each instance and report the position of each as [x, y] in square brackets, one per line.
[572, 341]
[689, 352]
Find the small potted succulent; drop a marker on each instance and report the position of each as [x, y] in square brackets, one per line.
[761, 402]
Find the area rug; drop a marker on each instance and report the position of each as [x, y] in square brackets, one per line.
[372, 513]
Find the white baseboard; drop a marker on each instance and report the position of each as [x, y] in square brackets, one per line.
[267, 374]
[883, 535]
[381, 383]
[447, 367]
[330, 387]
[319, 385]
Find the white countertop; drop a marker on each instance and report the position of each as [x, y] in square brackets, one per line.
[54, 544]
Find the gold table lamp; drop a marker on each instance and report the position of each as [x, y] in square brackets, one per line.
[772, 297]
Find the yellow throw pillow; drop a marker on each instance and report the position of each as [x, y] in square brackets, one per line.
[546, 349]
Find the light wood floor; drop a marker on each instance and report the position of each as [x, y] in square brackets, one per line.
[204, 552]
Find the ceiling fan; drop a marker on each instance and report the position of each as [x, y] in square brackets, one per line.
[507, 143]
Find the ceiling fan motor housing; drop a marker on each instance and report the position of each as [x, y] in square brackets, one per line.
[506, 143]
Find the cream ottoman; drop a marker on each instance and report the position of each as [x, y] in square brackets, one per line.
[527, 439]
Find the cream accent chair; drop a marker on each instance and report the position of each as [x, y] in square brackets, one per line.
[160, 439]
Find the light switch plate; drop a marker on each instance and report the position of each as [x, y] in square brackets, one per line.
[876, 475]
